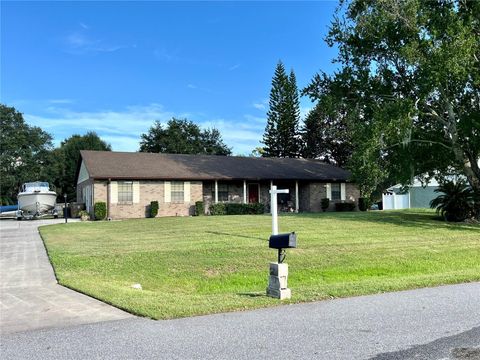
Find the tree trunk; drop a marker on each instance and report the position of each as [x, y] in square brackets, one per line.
[469, 166]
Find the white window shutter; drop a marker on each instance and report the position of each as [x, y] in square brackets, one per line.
[136, 192]
[113, 192]
[167, 189]
[329, 191]
[343, 192]
[186, 191]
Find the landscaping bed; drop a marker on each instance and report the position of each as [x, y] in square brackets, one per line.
[198, 265]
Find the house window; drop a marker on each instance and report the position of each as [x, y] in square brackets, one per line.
[125, 191]
[336, 191]
[177, 192]
[222, 192]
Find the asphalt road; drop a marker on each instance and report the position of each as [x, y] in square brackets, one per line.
[434, 323]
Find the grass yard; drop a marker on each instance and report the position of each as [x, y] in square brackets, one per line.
[200, 265]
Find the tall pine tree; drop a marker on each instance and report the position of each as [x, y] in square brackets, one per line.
[281, 137]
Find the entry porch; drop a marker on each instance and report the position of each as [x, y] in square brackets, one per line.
[252, 191]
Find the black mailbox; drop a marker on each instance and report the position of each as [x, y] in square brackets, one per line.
[283, 241]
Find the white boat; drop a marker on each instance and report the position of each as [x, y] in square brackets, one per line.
[36, 199]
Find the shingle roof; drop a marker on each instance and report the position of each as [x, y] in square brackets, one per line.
[136, 166]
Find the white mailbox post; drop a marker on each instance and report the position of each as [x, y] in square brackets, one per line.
[277, 282]
[273, 206]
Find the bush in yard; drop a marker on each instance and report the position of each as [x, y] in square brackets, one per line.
[363, 204]
[346, 206]
[457, 202]
[256, 208]
[84, 215]
[236, 209]
[199, 208]
[217, 209]
[153, 209]
[325, 203]
[100, 210]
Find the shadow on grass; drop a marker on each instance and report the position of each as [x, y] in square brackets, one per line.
[409, 218]
[235, 235]
[253, 294]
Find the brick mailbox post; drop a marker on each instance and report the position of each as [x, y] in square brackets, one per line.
[278, 279]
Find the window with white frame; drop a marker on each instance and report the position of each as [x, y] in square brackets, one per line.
[222, 192]
[177, 191]
[336, 191]
[125, 191]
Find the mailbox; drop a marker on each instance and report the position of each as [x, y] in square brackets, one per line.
[283, 241]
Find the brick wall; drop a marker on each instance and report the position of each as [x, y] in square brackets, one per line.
[317, 191]
[150, 191]
[352, 192]
[310, 195]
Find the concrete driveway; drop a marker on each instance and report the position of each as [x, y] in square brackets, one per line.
[30, 297]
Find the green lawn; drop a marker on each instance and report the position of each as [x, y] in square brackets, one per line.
[200, 265]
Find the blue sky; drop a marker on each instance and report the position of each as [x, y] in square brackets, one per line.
[116, 67]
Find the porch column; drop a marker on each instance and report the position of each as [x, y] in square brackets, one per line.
[271, 189]
[109, 191]
[244, 191]
[216, 191]
[296, 196]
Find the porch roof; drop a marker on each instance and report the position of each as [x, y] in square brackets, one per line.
[153, 166]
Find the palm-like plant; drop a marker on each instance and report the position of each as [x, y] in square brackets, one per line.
[457, 201]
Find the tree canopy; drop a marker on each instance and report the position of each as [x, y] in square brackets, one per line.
[325, 134]
[68, 155]
[281, 137]
[409, 80]
[25, 153]
[181, 136]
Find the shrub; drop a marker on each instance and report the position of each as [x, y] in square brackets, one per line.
[217, 209]
[325, 203]
[199, 208]
[153, 209]
[236, 209]
[345, 206]
[100, 210]
[256, 208]
[84, 214]
[363, 204]
[456, 203]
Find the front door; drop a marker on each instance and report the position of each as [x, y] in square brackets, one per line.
[252, 193]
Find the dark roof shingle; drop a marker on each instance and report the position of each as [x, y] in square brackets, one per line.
[136, 165]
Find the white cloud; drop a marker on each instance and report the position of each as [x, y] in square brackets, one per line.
[191, 86]
[259, 106]
[82, 42]
[122, 128]
[61, 101]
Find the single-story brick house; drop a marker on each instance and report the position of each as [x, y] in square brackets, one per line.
[128, 182]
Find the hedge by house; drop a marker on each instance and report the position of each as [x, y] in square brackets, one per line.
[100, 210]
[236, 209]
[153, 209]
[199, 208]
[362, 204]
[346, 206]
[325, 203]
